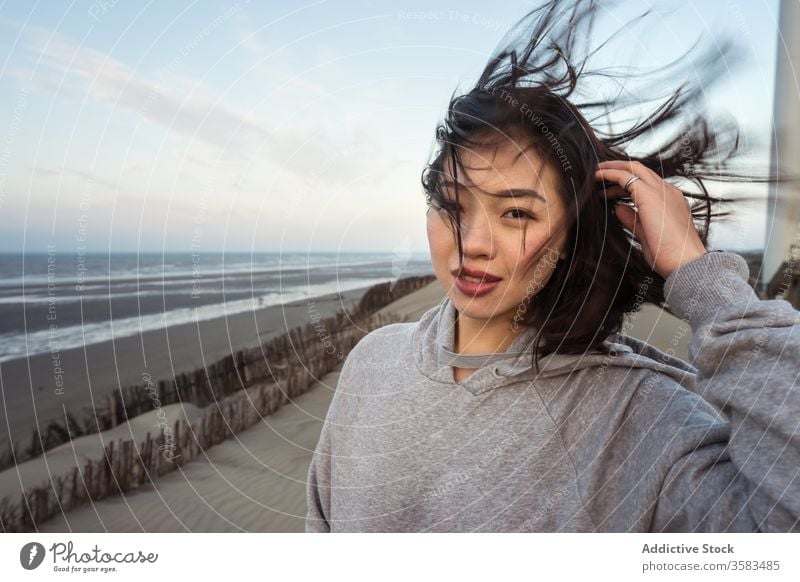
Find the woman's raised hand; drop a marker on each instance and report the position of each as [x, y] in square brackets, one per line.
[661, 222]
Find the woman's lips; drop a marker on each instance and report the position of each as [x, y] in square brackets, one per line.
[474, 288]
[474, 274]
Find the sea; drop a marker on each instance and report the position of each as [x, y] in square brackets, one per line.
[50, 301]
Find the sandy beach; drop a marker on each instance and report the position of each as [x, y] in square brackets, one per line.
[31, 397]
[255, 481]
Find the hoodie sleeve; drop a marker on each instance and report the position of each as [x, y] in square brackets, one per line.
[318, 484]
[318, 492]
[741, 473]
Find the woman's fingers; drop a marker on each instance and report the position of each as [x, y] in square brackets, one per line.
[620, 178]
[620, 173]
[614, 190]
[627, 216]
[631, 167]
[661, 220]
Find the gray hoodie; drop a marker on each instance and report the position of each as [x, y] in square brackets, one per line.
[633, 441]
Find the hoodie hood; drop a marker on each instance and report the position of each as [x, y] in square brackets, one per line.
[433, 345]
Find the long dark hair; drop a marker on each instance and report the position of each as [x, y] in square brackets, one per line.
[533, 91]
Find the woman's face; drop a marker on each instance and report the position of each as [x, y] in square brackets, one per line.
[510, 207]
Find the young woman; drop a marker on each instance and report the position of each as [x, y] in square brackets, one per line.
[516, 404]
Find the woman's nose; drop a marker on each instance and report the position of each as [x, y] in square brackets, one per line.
[477, 234]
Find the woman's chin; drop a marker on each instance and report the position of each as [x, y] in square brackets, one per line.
[475, 307]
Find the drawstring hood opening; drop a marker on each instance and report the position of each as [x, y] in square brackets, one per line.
[433, 344]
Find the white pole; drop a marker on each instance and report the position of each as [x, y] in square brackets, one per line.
[783, 205]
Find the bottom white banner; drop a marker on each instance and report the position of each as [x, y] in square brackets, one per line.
[129, 556]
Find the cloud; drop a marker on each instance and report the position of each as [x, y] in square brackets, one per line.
[57, 65]
[318, 164]
[43, 172]
[192, 112]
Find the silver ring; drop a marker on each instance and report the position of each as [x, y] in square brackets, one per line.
[630, 181]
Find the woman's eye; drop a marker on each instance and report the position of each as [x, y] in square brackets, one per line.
[520, 214]
[515, 213]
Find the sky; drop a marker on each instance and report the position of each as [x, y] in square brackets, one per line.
[283, 126]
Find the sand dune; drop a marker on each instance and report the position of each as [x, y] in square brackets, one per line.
[254, 482]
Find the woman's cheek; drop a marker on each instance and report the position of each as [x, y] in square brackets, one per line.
[536, 277]
[440, 243]
[435, 238]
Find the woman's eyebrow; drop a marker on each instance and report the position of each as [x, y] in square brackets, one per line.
[509, 193]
